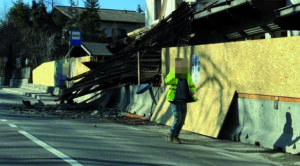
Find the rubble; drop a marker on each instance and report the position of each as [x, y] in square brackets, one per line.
[95, 112]
[65, 111]
[26, 103]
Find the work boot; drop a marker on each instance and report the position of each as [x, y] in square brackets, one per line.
[170, 138]
[177, 140]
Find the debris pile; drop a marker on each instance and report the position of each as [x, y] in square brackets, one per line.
[65, 111]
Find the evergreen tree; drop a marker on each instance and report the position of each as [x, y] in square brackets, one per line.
[90, 21]
[40, 18]
[33, 33]
[20, 14]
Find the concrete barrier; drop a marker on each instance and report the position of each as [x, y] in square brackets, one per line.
[42, 88]
[20, 76]
[123, 98]
[17, 82]
[21, 73]
[142, 104]
[268, 123]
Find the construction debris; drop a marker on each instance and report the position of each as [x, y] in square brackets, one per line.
[122, 68]
[110, 114]
[26, 103]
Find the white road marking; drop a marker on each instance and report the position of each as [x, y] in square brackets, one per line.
[3, 120]
[51, 149]
[12, 125]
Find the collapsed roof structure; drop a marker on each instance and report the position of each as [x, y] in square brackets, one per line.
[138, 62]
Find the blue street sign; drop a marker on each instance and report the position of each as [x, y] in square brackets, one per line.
[75, 38]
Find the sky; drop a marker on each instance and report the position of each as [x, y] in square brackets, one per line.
[105, 4]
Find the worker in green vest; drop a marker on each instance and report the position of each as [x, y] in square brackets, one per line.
[181, 92]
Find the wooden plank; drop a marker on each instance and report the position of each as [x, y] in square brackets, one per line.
[269, 97]
[139, 71]
[289, 99]
[163, 10]
[79, 76]
[206, 5]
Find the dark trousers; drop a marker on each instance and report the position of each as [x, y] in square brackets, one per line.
[179, 110]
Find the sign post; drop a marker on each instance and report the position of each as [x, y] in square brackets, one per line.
[75, 40]
[5, 59]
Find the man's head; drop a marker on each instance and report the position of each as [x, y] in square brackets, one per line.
[181, 67]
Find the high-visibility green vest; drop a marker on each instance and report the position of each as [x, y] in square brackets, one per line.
[172, 81]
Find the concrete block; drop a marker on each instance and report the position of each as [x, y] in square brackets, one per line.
[141, 104]
[124, 98]
[261, 123]
[21, 73]
[17, 82]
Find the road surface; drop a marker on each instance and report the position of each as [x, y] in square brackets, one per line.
[48, 140]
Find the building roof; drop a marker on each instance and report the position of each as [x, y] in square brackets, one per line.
[223, 6]
[110, 14]
[286, 17]
[96, 49]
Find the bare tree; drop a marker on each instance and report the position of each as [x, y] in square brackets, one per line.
[40, 48]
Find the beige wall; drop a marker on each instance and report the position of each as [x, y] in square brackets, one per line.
[269, 67]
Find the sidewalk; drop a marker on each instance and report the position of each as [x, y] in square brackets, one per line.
[33, 93]
[238, 148]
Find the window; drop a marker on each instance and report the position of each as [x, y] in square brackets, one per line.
[284, 34]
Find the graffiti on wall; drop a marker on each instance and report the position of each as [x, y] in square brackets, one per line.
[196, 69]
[60, 79]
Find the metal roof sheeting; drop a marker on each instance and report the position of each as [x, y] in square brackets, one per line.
[96, 49]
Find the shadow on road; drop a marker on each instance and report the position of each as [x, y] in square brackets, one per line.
[286, 138]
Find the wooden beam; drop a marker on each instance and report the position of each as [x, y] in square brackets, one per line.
[268, 97]
[79, 76]
[139, 72]
[163, 10]
[207, 5]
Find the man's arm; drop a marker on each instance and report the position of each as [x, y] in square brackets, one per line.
[191, 85]
[170, 79]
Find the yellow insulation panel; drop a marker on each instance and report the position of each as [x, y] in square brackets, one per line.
[44, 74]
[78, 67]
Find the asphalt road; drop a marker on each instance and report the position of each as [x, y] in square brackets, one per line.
[39, 140]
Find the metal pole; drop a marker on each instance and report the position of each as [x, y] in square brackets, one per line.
[69, 59]
[139, 76]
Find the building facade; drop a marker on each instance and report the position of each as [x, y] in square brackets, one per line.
[114, 22]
